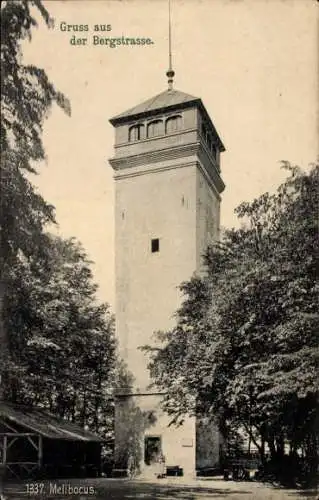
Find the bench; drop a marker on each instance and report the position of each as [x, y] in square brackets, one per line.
[174, 470]
[119, 473]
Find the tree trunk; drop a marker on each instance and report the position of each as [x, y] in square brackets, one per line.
[98, 398]
[3, 339]
[280, 444]
[249, 430]
[83, 413]
[262, 449]
[272, 447]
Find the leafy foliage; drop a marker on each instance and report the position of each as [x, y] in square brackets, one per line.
[61, 340]
[245, 345]
[57, 342]
[131, 423]
[26, 98]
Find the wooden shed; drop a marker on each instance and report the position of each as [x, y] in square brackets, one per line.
[34, 443]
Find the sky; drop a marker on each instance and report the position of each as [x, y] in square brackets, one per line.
[253, 63]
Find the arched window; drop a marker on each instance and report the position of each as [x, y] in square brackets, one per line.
[155, 128]
[135, 133]
[173, 124]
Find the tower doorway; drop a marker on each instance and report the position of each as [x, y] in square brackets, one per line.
[152, 449]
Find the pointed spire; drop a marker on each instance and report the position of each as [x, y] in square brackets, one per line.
[170, 72]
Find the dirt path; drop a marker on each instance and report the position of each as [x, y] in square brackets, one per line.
[164, 489]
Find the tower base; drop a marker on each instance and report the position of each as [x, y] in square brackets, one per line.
[147, 445]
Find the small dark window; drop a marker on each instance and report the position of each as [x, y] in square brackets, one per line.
[155, 245]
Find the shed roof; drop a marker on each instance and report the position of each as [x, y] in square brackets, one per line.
[44, 423]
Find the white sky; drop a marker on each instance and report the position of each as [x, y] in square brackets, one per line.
[253, 63]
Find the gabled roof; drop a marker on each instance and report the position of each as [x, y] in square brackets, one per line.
[44, 423]
[166, 99]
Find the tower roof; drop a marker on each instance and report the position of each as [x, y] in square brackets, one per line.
[166, 99]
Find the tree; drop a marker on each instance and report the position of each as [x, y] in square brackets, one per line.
[245, 346]
[57, 342]
[61, 341]
[58, 346]
[26, 98]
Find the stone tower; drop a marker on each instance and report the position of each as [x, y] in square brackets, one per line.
[167, 209]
